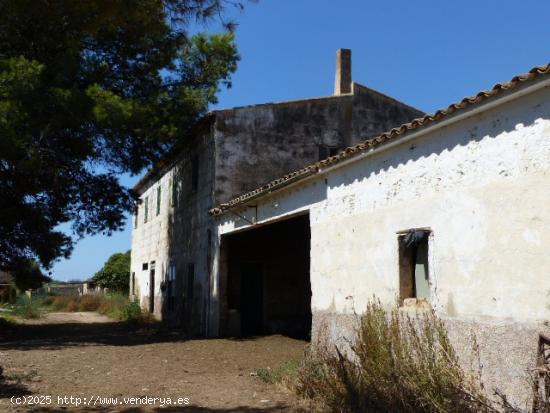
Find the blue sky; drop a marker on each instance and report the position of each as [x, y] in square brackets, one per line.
[425, 53]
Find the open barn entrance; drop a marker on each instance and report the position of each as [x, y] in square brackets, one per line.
[268, 285]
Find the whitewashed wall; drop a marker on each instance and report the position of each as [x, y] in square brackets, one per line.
[483, 187]
[150, 241]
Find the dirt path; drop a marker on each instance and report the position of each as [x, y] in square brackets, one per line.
[88, 356]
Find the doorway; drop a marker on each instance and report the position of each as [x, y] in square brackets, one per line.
[152, 288]
[268, 288]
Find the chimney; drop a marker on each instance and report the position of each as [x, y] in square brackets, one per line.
[343, 72]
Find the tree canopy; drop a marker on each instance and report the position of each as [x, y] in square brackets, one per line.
[28, 275]
[89, 90]
[115, 274]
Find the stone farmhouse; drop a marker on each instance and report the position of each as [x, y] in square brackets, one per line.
[450, 211]
[174, 240]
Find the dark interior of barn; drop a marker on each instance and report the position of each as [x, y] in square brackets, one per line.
[268, 281]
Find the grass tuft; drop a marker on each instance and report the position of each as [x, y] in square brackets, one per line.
[27, 308]
[285, 374]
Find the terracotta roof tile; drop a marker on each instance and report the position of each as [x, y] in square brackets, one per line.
[384, 137]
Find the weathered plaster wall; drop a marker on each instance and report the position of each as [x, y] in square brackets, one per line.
[483, 187]
[178, 236]
[257, 144]
[149, 243]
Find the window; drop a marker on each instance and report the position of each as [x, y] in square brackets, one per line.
[195, 174]
[542, 376]
[146, 209]
[414, 274]
[190, 281]
[171, 290]
[333, 151]
[174, 190]
[158, 199]
[133, 283]
[136, 216]
[144, 266]
[326, 151]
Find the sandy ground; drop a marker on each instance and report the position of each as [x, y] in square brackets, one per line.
[86, 355]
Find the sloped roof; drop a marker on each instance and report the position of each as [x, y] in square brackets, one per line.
[392, 134]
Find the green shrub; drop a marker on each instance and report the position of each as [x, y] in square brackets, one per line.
[132, 312]
[286, 373]
[397, 363]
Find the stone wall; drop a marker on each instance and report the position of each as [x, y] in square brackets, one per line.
[257, 144]
[178, 237]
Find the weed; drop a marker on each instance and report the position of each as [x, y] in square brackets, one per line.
[89, 302]
[24, 376]
[27, 308]
[397, 363]
[285, 374]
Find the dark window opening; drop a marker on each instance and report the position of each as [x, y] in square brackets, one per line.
[133, 283]
[328, 151]
[146, 210]
[195, 174]
[174, 190]
[170, 289]
[136, 216]
[158, 199]
[333, 151]
[152, 288]
[414, 274]
[542, 376]
[144, 266]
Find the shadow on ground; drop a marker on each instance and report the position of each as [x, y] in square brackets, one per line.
[60, 335]
[57, 336]
[187, 409]
[13, 389]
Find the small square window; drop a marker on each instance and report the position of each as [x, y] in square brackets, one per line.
[326, 151]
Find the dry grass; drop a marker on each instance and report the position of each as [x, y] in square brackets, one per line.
[397, 364]
[115, 306]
